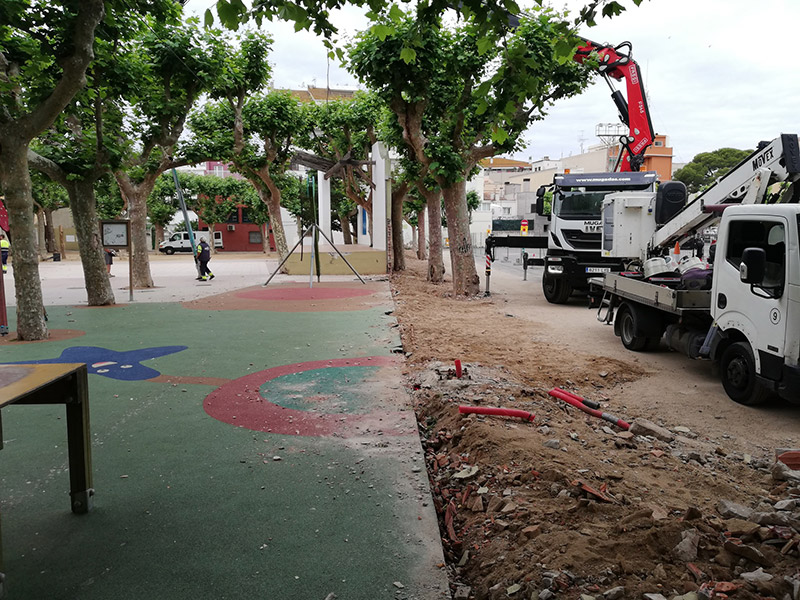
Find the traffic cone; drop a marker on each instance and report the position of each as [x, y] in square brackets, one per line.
[677, 248]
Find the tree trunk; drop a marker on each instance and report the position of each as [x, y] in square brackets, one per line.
[265, 237]
[137, 210]
[422, 252]
[84, 215]
[40, 235]
[273, 202]
[433, 201]
[344, 219]
[462, 262]
[49, 235]
[159, 234]
[398, 196]
[19, 201]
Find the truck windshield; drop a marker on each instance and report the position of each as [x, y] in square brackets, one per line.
[578, 204]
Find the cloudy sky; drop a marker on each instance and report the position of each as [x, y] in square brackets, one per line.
[717, 72]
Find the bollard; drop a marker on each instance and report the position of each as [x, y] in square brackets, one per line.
[524, 266]
[488, 274]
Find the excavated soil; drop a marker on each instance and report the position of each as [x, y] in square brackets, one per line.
[572, 506]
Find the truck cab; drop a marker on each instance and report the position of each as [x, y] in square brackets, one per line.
[575, 232]
[755, 302]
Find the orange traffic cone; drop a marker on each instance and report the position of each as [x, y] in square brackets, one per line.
[677, 248]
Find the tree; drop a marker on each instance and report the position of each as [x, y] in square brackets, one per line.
[344, 131]
[307, 14]
[48, 197]
[44, 54]
[461, 96]
[706, 167]
[261, 151]
[176, 63]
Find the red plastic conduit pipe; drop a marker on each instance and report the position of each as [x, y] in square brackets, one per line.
[575, 401]
[502, 412]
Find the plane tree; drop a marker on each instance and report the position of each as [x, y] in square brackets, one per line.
[344, 131]
[174, 65]
[44, 54]
[261, 150]
[461, 95]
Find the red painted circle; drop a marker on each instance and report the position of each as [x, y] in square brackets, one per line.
[240, 403]
[305, 293]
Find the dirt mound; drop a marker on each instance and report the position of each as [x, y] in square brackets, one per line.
[570, 504]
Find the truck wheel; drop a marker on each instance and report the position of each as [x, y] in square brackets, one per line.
[626, 320]
[738, 374]
[169, 250]
[556, 290]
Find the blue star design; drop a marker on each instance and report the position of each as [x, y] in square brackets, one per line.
[125, 366]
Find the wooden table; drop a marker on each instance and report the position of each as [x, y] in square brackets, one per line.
[66, 384]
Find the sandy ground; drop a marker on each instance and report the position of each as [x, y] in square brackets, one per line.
[515, 514]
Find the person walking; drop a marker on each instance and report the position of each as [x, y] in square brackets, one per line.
[5, 248]
[203, 256]
[109, 257]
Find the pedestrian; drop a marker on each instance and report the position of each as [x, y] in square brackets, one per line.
[109, 257]
[203, 256]
[5, 248]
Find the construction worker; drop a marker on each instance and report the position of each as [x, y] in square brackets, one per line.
[5, 248]
[203, 256]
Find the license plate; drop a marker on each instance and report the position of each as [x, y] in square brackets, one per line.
[598, 269]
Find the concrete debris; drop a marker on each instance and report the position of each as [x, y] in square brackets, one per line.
[756, 576]
[649, 429]
[462, 592]
[686, 550]
[508, 518]
[732, 510]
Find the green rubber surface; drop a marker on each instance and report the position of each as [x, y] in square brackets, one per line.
[189, 507]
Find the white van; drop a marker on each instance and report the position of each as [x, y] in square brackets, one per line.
[179, 241]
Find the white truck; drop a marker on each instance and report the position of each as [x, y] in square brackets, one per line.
[744, 314]
[179, 241]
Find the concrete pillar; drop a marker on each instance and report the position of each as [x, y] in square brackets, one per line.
[324, 219]
[382, 195]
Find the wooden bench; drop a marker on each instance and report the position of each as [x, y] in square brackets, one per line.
[55, 384]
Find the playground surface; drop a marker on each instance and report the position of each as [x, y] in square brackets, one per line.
[247, 441]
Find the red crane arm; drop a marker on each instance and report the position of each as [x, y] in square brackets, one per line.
[616, 62]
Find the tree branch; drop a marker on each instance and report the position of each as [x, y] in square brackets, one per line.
[48, 167]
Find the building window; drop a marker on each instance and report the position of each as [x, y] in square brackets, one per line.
[219, 170]
[506, 210]
[255, 237]
[245, 216]
[233, 217]
[658, 143]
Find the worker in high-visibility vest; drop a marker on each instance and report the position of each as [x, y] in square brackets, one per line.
[5, 248]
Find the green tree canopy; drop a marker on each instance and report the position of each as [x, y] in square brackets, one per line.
[706, 167]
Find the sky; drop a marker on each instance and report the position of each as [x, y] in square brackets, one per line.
[718, 73]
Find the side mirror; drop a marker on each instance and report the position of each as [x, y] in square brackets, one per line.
[540, 200]
[753, 266]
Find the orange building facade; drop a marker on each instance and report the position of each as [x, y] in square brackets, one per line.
[658, 158]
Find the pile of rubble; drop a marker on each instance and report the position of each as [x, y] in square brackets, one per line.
[570, 507]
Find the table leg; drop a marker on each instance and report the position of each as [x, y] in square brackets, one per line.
[2, 568]
[79, 442]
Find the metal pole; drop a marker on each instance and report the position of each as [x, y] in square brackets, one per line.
[287, 257]
[488, 274]
[130, 268]
[186, 220]
[322, 233]
[3, 313]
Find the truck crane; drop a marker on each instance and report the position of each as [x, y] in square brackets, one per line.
[573, 253]
[744, 313]
[573, 234]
